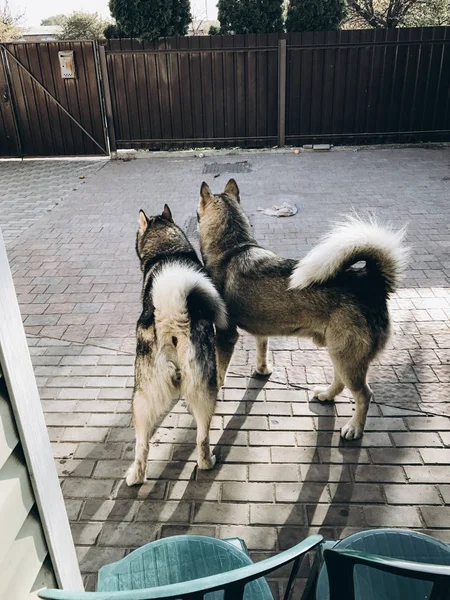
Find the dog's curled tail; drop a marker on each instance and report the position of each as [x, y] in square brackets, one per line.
[182, 291]
[349, 242]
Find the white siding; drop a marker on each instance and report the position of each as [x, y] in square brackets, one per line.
[45, 579]
[8, 431]
[23, 550]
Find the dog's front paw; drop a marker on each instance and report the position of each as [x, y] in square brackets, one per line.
[264, 370]
[324, 395]
[205, 464]
[352, 430]
[135, 474]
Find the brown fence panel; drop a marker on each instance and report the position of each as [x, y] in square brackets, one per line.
[194, 91]
[368, 86]
[44, 128]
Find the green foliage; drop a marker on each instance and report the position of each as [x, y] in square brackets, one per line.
[315, 15]
[82, 25]
[151, 19]
[9, 33]
[180, 18]
[55, 20]
[127, 16]
[10, 28]
[214, 30]
[397, 13]
[113, 31]
[431, 13]
[250, 16]
[381, 13]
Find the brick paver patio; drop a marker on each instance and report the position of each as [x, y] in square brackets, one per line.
[282, 470]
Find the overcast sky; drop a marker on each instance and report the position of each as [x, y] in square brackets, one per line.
[36, 10]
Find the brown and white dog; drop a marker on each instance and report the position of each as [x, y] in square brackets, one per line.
[324, 296]
[175, 354]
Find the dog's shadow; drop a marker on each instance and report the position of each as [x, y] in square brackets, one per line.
[315, 496]
[200, 483]
[324, 493]
[223, 446]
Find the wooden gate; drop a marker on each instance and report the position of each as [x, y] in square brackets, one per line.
[9, 138]
[43, 114]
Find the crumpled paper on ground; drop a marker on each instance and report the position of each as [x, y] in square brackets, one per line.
[284, 210]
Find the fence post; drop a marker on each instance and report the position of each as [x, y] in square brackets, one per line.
[7, 73]
[107, 98]
[281, 93]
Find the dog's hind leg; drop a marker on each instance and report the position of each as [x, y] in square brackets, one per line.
[225, 342]
[148, 411]
[263, 366]
[332, 391]
[354, 376]
[202, 408]
[355, 427]
[141, 419]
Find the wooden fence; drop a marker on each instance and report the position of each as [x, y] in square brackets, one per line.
[341, 87]
[212, 90]
[376, 86]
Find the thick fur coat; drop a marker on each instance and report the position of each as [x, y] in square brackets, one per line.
[175, 352]
[324, 296]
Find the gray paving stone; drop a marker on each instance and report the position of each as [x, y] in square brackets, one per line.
[31, 189]
[125, 534]
[247, 492]
[277, 514]
[326, 515]
[260, 538]
[302, 492]
[436, 516]
[392, 516]
[412, 494]
[226, 513]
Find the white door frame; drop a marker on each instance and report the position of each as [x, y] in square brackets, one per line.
[18, 371]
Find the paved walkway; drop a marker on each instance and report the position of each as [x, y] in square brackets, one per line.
[282, 471]
[31, 188]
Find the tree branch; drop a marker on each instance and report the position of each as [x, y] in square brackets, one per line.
[367, 14]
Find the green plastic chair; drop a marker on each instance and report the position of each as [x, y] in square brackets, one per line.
[384, 564]
[341, 565]
[190, 567]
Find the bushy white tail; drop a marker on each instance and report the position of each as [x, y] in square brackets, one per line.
[351, 241]
[172, 286]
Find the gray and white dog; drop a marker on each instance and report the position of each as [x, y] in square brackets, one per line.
[175, 354]
[323, 296]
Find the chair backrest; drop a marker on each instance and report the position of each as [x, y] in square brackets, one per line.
[341, 564]
[232, 582]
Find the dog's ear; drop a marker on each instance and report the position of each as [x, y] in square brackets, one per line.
[167, 213]
[144, 221]
[205, 194]
[232, 190]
